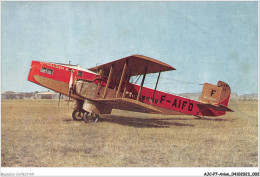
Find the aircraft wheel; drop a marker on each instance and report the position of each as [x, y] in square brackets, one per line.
[96, 118]
[77, 115]
[90, 117]
[86, 117]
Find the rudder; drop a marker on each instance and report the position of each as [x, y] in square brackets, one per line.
[216, 94]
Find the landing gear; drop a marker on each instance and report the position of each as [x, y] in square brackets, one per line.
[77, 115]
[86, 116]
[90, 117]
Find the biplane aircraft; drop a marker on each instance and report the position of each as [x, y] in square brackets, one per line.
[100, 89]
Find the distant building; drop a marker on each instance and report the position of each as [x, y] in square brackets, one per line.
[47, 95]
[27, 95]
[234, 97]
[11, 95]
[249, 97]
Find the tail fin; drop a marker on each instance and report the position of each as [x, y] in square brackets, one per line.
[216, 94]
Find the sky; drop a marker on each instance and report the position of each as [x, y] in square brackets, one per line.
[204, 41]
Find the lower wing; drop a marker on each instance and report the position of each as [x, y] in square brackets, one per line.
[128, 105]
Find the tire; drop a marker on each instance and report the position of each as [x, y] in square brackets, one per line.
[86, 117]
[77, 115]
[90, 117]
[96, 119]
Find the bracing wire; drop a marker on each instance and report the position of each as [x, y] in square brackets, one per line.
[168, 79]
[135, 82]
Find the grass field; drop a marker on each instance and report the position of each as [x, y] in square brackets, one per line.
[36, 133]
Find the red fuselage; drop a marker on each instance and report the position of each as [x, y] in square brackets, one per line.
[58, 78]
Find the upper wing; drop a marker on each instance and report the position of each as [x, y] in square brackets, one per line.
[128, 105]
[135, 65]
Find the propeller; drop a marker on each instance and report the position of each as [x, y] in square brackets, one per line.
[70, 84]
[59, 100]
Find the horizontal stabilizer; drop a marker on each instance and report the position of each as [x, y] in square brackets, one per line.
[215, 107]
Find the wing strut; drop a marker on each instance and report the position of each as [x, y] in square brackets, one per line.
[101, 71]
[126, 84]
[108, 80]
[140, 89]
[121, 80]
[156, 86]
